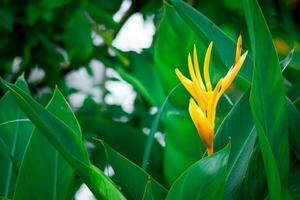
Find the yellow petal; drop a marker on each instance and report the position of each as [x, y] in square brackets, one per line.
[200, 93]
[197, 69]
[191, 68]
[190, 87]
[234, 70]
[187, 83]
[238, 49]
[212, 105]
[203, 126]
[206, 67]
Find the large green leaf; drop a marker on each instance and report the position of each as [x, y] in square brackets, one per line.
[43, 162]
[203, 180]
[67, 142]
[15, 131]
[239, 127]
[207, 31]
[268, 103]
[124, 170]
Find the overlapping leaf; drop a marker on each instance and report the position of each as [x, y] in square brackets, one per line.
[68, 143]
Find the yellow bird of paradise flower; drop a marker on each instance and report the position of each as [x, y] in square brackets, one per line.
[203, 105]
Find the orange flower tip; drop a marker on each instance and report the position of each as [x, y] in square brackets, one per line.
[240, 39]
[210, 150]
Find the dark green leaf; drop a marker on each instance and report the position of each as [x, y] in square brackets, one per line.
[203, 180]
[237, 127]
[268, 103]
[294, 127]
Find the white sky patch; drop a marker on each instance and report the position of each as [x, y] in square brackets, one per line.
[159, 136]
[16, 64]
[121, 93]
[85, 83]
[123, 8]
[136, 34]
[84, 193]
[36, 74]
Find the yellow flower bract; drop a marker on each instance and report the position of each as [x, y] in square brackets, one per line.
[203, 105]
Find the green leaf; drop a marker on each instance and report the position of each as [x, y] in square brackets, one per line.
[43, 162]
[15, 131]
[294, 127]
[239, 128]
[125, 170]
[206, 30]
[203, 180]
[67, 142]
[153, 130]
[268, 103]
